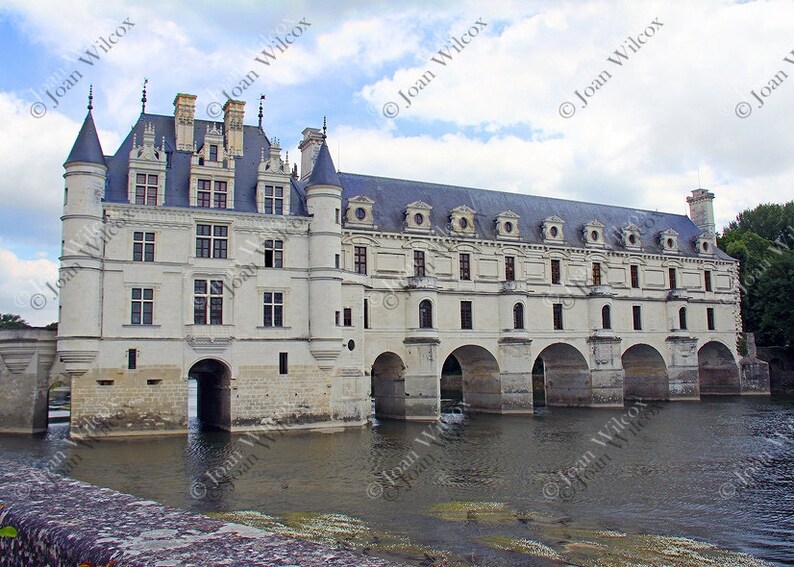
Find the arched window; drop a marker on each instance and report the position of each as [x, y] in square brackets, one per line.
[682, 318]
[518, 316]
[606, 317]
[425, 314]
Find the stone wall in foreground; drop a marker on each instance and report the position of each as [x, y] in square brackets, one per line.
[62, 522]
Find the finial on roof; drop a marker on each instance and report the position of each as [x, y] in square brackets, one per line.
[324, 128]
[261, 98]
[134, 140]
[143, 98]
[90, 97]
[163, 144]
[262, 158]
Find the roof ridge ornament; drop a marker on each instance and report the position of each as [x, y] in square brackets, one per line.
[90, 97]
[261, 98]
[143, 97]
[325, 128]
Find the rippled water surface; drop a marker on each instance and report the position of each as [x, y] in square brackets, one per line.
[719, 471]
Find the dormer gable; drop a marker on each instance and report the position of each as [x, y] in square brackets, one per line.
[668, 241]
[273, 182]
[417, 217]
[507, 225]
[146, 177]
[461, 221]
[552, 230]
[630, 237]
[593, 234]
[359, 213]
[212, 173]
[704, 244]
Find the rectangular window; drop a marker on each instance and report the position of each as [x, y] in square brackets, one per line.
[510, 268]
[274, 309]
[336, 318]
[671, 277]
[132, 360]
[274, 253]
[557, 314]
[207, 301]
[555, 271]
[710, 318]
[211, 238]
[347, 317]
[707, 280]
[337, 262]
[596, 273]
[419, 263]
[635, 276]
[366, 313]
[283, 367]
[360, 260]
[465, 267]
[336, 216]
[145, 189]
[274, 200]
[220, 195]
[213, 152]
[636, 315]
[466, 315]
[142, 306]
[143, 247]
[204, 193]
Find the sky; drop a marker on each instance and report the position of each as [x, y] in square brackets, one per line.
[632, 103]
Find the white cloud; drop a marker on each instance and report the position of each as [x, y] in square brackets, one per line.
[24, 288]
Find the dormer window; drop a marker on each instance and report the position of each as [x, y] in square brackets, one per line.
[668, 241]
[417, 217]
[704, 245]
[213, 152]
[552, 230]
[274, 200]
[631, 237]
[206, 197]
[146, 189]
[359, 212]
[507, 225]
[461, 220]
[593, 234]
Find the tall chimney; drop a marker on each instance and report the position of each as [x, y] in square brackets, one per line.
[701, 210]
[233, 112]
[309, 146]
[184, 117]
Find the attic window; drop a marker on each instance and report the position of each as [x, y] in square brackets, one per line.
[554, 232]
[213, 152]
[632, 239]
[361, 214]
[419, 219]
[670, 243]
[705, 247]
[508, 227]
[594, 236]
[463, 222]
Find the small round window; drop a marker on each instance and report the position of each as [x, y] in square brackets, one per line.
[594, 236]
[632, 239]
[361, 214]
[670, 243]
[705, 247]
[508, 227]
[419, 219]
[463, 222]
[351, 344]
[554, 232]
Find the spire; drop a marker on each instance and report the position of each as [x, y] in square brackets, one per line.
[87, 147]
[143, 98]
[261, 98]
[324, 172]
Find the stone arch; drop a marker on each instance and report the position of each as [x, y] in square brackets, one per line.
[566, 376]
[480, 378]
[717, 370]
[213, 393]
[645, 374]
[388, 386]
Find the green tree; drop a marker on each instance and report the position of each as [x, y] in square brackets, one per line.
[11, 321]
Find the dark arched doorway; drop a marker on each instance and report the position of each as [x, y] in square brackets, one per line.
[717, 370]
[645, 374]
[388, 386]
[451, 384]
[538, 383]
[566, 376]
[480, 383]
[213, 394]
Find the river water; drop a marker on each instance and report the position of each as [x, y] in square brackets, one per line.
[485, 489]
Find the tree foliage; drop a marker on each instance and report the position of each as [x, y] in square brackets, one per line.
[762, 239]
[11, 321]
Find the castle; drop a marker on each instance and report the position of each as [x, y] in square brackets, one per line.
[298, 298]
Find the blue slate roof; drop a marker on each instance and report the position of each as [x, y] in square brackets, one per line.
[86, 147]
[323, 171]
[391, 196]
[177, 178]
